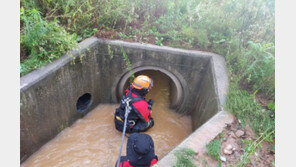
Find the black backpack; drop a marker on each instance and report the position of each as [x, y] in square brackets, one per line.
[120, 112]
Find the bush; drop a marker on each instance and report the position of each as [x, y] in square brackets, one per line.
[260, 72]
[83, 17]
[42, 41]
[242, 31]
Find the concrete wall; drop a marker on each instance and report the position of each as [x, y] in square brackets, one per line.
[187, 66]
[206, 104]
[49, 95]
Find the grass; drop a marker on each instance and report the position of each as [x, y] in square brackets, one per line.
[42, 41]
[214, 148]
[128, 65]
[242, 31]
[245, 107]
[252, 146]
[184, 158]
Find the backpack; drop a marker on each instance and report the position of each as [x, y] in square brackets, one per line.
[120, 112]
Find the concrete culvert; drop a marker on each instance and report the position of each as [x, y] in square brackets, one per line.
[193, 84]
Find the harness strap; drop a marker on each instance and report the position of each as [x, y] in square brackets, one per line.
[133, 99]
[127, 111]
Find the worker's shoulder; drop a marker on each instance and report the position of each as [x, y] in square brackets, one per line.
[142, 104]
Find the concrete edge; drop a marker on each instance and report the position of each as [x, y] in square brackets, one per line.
[33, 77]
[198, 140]
[220, 78]
[166, 49]
[37, 75]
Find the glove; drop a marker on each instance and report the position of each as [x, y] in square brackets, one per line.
[150, 103]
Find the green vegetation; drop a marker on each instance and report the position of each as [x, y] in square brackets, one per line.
[128, 64]
[42, 41]
[251, 148]
[184, 157]
[242, 31]
[214, 148]
[248, 111]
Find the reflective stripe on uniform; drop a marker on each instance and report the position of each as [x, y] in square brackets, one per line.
[119, 119]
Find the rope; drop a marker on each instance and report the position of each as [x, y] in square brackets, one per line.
[127, 111]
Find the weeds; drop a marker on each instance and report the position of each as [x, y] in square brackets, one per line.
[214, 148]
[42, 41]
[244, 106]
[242, 31]
[158, 41]
[251, 147]
[184, 158]
[128, 64]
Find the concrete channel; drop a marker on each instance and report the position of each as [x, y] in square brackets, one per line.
[95, 72]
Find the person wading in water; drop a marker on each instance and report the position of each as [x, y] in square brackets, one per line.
[139, 118]
[139, 152]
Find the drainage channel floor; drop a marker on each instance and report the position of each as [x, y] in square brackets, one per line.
[94, 141]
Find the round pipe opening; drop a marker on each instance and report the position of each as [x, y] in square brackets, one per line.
[176, 91]
[83, 103]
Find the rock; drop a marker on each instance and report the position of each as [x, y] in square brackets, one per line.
[239, 133]
[239, 121]
[228, 152]
[223, 159]
[228, 149]
[231, 134]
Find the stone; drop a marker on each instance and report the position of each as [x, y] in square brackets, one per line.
[223, 159]
[228, 149]
[228, 152]
[239, 133]
[231, 134]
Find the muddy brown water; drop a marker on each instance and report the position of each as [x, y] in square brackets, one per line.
[94, 141]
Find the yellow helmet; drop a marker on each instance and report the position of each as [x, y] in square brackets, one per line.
[142, 81]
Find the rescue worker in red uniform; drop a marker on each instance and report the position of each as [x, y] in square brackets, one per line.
[139, 118]
[139, 152]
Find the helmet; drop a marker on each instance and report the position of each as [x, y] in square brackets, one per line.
[142, 82]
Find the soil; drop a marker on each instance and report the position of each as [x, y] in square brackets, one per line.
[261, 98]
[264, 157]
[23, 55]
[107, 34]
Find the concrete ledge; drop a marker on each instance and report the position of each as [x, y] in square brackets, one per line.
[198, 140]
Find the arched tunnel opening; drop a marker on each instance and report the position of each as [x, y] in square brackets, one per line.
[167, 89]
[187, 93]
[161, 92]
